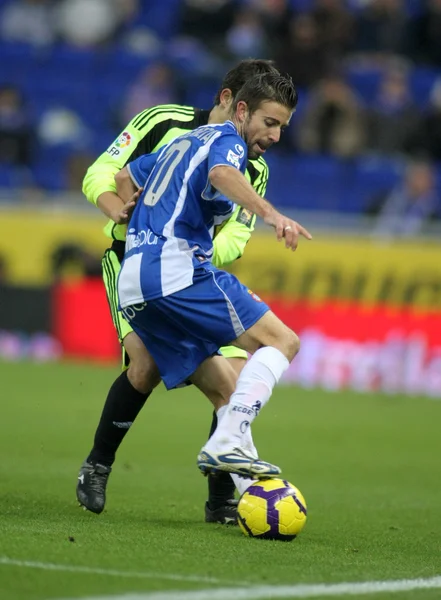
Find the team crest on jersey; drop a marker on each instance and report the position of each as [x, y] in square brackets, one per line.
[124, 140]
[254, 296]
[245, 217]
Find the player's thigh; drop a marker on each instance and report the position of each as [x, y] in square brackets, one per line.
[236, 357]
[143, 372]
[269, 330]
[237, 364]
[217, 379]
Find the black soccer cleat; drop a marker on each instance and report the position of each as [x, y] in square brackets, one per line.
[91, 486]
[225, 514]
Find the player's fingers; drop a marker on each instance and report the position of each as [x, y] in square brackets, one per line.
[294, 240]
[126, 212]
[288, 233]
[136, 195]
[304, 232]
[279, 231]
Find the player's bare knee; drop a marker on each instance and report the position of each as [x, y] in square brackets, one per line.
[144, 377]
[292, 345]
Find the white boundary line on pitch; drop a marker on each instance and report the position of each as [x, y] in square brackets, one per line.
[285, 591]
[4, 560]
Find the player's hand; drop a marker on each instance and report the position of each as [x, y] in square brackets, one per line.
[122, 217]
[288, 229]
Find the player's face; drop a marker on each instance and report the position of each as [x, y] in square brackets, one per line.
[264, 127]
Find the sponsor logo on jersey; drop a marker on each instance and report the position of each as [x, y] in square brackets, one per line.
[245, 217]
[142, 238]
[234, 159]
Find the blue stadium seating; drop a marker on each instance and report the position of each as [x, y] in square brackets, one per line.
[93, 84]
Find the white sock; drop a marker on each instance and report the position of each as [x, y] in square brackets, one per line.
[241, 483]
[253, 390]
[248, 443]
[220, 412]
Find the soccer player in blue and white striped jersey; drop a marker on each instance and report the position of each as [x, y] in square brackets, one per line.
[179, 304]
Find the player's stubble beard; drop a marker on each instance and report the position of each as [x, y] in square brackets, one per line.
[242, 129]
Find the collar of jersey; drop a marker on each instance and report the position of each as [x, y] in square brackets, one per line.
[232, 125]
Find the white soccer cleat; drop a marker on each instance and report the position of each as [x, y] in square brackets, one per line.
[236, 461]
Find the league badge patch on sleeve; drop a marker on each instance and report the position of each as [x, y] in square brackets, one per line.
[124, 140]
[245, 217]
[234, 159]
[120, 143]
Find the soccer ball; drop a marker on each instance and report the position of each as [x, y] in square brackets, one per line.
[272, 509]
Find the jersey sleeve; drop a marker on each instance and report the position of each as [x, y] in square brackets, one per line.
[260, 182]
[228, 150]
[145, 133]
[100, 175]
[230, 240]
[141, 168]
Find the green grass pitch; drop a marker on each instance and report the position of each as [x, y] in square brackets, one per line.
[369, 467]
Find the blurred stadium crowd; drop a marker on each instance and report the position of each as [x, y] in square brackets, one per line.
[366, 138]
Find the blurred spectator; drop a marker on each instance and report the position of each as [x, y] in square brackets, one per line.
[394, 118]
[208, 21]
[246, 37]
[76, 167]
[16, 132]
[28, 21]
[275, 16]
[61, 126]
[428, 137]
[381, 28]
[304, 55]
[333, 122]
[413, 203]
[3, 270]
[335, 26]
[154, 86]
[425, 35]
[99, 19]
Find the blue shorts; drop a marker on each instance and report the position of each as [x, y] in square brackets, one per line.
[181, 330]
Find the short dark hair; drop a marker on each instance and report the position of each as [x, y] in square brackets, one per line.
[268, 87]
[241, 73]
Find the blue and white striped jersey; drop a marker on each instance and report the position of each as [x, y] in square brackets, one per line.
[169, 233]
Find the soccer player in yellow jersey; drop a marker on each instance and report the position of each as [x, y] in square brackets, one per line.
[146, 133]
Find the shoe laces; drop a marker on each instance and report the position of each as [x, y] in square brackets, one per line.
[98, 476]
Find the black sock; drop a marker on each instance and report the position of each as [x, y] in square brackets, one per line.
[122, 406]
[220, 486]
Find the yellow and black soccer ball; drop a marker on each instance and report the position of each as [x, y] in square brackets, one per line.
[272, 509]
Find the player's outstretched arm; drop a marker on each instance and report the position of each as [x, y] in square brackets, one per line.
[232, 184]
